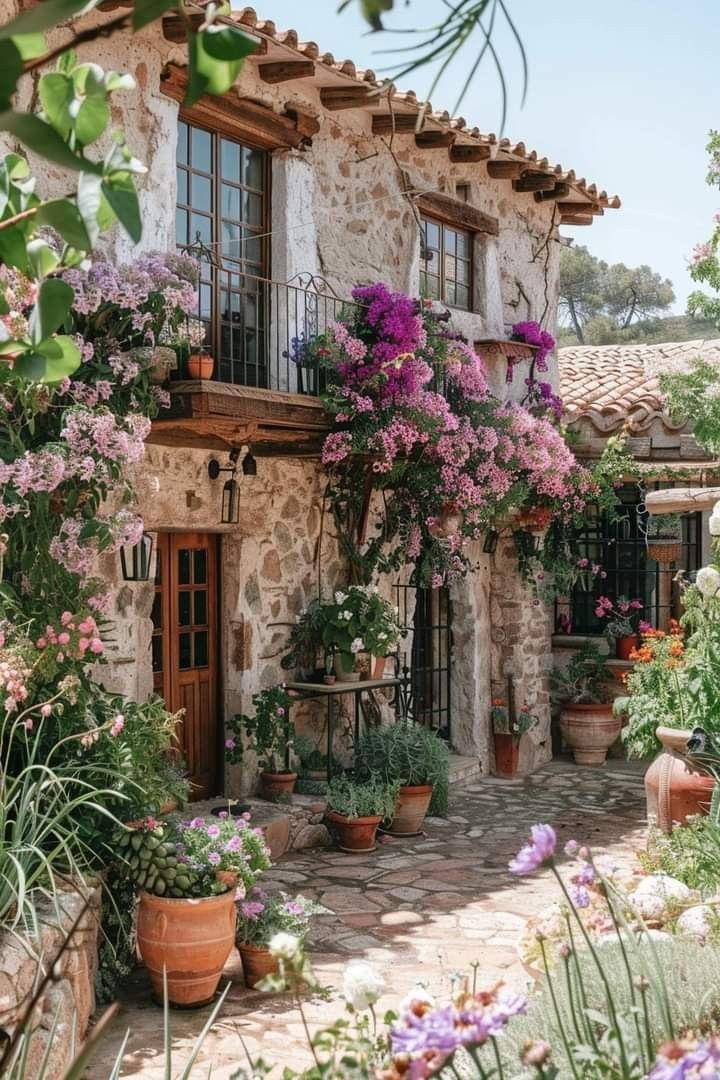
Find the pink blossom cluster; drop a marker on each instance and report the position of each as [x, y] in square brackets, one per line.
[78, 542]
[72, 638]
[14, 676]
[19, 293]
[532, 333]
[172, 278]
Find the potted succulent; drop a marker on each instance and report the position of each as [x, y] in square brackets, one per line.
[587, 723]
[507, 732]
[356, 809]
[260, 917]
[664, 538]
[623, 620]
[269, 734]
[188, 874]
[413, 757]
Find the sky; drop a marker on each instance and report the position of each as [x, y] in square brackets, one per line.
[623, 91]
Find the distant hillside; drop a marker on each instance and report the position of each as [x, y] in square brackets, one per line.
[601, 331]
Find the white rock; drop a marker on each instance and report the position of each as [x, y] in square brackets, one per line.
[664, 886]
[647, 905]
[697, 922]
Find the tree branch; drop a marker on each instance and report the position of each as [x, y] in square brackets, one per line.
[92, 33]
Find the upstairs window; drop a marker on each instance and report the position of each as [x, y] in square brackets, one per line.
[446, 264]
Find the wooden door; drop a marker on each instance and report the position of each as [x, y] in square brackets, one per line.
[185, 648]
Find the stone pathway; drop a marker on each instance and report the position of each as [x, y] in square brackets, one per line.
[420, 910]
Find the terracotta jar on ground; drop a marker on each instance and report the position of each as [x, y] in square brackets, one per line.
[624, 646]
[410, 809]
[274, 784]
[257, 963]
[675, 787]
[507, 753]
[357, 835]
[589, 731]
[190, 939]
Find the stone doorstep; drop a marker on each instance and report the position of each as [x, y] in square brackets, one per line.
[463, 768]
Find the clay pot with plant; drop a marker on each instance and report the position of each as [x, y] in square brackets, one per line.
[507, 733]
[412, 757]
[355, 810]
[664, 538]
[269, 734]
[587, 722]
[186, 874]
[260, 917]
[623, 623]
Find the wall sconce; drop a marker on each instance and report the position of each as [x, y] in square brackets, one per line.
[135, 559]
[491, 542]
[249, 464]
[230, 513]
[528, 543]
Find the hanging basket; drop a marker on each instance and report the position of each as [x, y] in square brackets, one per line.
[665, 552]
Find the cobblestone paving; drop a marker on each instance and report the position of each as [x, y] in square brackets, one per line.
[422, 909]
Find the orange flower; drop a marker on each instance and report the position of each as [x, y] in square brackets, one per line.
[672, 663]
[644, 654]
[498, 702]
[677, 648]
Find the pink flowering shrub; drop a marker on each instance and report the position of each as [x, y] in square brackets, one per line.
[415, 418]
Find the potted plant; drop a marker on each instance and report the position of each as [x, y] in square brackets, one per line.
[260, 917]
[359, 622]
[587, 722]
[188, 874]
[190, 341]
[413, 757]
[305, 646]
[664, 538]
[623, 620]
[507, 732]
[356, 809]
[269, 734]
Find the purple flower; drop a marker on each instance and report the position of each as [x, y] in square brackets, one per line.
[197, 823]
[234, 844]
[213, 831]
[435, 1030]
[508, 1004]
[571, 848]
[584, 876]
[230, 744]
[292, 907]
[251, 909]
[678, 1062]
[539, 850]
[214, 858]
[579, 896]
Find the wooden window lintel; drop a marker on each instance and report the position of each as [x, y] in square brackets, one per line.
[457, 213]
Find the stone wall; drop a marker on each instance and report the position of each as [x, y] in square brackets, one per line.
[61, 1016]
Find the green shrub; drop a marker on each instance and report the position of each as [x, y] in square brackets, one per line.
[356, 798]
[406, 754]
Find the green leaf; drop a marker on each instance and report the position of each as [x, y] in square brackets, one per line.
[120, 193]
[64, 216]
[42, 258]
[62, 357]
[209, 75]
[46, 16]
[52, 308]
[39, 137]
[11, 68]
[56, 93]
[228, 43]
[150, 10]
[31, 366]
[7, 348]
[92, 118]
[89, 201]
[30, 46]
[66, 62]
[12, 247]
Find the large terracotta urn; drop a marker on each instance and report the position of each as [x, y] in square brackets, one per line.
[675, 787]
[411, 807]
[589, 731]
[188, 938]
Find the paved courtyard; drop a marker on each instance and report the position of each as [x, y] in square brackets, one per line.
[420, 910]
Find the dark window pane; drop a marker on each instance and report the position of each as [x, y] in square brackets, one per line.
[184, 566]
[462, 297]
[230, 202]
[200, 617]
[252, 208]
[450, 274]
[201, 193]
[182, 143]
[250, 310]
[230, 160]
[449, 293]
[462, 271]
[201, 155]
[231, 240]
[182, 186]
[157, 653]
[200, 560]
[252, 248]
[156, 613]
[158, 568]
[463, 245]
[181, 227]
[432, 235]
[202, 225]
[184, 609]
[254, 168]
[205, 301]
[450, 241]
[201, 649]
[185, 651]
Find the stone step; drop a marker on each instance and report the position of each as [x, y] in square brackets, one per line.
[461, 769]
[286, 827]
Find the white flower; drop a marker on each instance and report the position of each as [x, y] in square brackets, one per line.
[714, 522]
[346, 615]
[285, 946]
[340, 597]
[362, 984]
[708, 581]
[357, 646]
[417, 996]
[381, 636]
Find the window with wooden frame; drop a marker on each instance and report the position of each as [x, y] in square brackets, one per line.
[446, 263]
[222, 200]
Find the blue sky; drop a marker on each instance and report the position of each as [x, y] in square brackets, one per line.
[624, 92]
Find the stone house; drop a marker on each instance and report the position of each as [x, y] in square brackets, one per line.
[610, 390]
[310, 177]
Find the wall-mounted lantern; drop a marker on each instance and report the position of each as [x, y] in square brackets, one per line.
[136, 559]
[491, 542]
[230, 513]
[249, 464]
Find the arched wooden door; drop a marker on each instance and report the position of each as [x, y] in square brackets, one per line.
[185, 648]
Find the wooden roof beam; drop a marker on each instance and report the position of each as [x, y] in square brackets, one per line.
[465, 154]
[435, 140]
[175, 30]
[681, 500]
[560, 191]
[284, 70]
[386, 123]
[506, 170]
[568, 207]
[534, 181]
[576, 219]
[348, 97]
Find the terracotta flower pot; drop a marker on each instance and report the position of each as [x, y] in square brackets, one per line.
[164, 360]
[341, 674]
[274, 784]
[257, 962]
[357, 835]
[190, 939]
[378, 667]
[507, 753]
[675, 787]
[200, 366]
[665, 552]
[624, 646]
[410, 810]
[590, 731]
